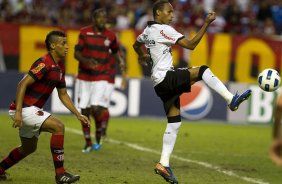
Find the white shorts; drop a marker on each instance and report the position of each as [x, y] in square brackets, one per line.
[105, 101]
[91, 93]
[83, 93]
[33, 118]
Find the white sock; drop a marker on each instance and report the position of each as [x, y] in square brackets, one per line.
[213, 82]
[169, 139]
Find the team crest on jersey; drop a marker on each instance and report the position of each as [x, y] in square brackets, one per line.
[38, 68]
[107, 42]
[40, 113]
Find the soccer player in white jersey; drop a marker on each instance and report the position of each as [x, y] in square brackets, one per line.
[170, 83]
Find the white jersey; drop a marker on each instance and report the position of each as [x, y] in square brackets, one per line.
[158, 39]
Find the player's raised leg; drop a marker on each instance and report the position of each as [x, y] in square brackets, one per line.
[205, 74]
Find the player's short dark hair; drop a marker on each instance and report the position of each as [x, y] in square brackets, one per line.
[51, 37]
[159, 5]
[98, 11]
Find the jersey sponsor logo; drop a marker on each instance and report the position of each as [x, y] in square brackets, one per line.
[198, 103]
[89, 33]
[38, 68]
[167, 50]
[60, 157]
[165, 36]
[147, 41]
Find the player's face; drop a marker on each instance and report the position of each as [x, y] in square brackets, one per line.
[61, 47]
[166, 14]
[100, 20]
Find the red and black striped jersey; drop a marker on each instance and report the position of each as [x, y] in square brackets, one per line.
[96, 45]
[47, 75]
[112, 69]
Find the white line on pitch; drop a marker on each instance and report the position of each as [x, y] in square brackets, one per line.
[204, 164]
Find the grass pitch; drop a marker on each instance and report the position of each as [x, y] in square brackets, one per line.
[205, 153]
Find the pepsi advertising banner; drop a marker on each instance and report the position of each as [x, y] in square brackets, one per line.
[139, 99]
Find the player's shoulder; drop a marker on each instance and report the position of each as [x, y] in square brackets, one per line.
[46, 60]
[86, 29]
[109, 32]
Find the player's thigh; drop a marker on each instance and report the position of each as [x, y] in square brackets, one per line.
[194, 74]
[53, 125]
[98, 91]
[107, 95]
[84, 93]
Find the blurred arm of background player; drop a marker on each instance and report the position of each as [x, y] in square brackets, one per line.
[91, 62]
[276, 146]
[120, 58]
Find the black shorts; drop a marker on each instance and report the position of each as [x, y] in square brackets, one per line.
[174, 84]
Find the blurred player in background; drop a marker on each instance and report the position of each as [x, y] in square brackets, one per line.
[276, 146]
[170, 83]
[95, 46]
[47, 73]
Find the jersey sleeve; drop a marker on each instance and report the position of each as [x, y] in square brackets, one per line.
[140, 38]
[38, 70]
[62, 83]
[81, 42]
[168, 35]
[114, 45]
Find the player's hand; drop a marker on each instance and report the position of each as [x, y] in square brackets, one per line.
[144, 60]
[211, 16]
[276, 151]
[123, 84]
[18, 121]
[122, 66]
[92, 63]
[83, 119]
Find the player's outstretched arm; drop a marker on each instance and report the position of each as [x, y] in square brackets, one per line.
[191, 44]
[123, 67]
[89, 61]
[65, 99]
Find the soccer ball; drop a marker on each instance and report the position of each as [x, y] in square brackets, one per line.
[269, 80]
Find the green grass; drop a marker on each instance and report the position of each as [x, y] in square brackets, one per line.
[240, 149]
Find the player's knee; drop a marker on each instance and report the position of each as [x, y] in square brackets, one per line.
[27, 150]
[201, 71]
[59, 128]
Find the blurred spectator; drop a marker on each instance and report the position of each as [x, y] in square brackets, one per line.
[233, 16]
[142, 21]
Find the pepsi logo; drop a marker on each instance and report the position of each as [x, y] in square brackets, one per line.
[196, 104]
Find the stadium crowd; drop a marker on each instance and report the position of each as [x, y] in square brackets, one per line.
[246, 17]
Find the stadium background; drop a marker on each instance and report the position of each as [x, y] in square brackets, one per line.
[244, 39]
[209, 150]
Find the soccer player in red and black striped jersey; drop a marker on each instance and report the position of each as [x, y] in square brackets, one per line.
[32, 93]
[93, 53]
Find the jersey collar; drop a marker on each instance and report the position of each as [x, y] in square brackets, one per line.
[152, 22]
